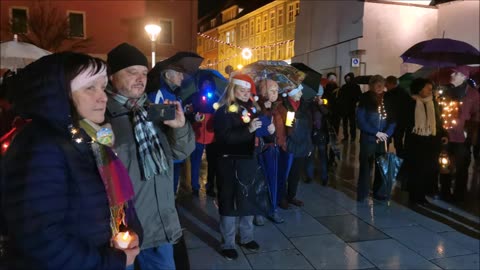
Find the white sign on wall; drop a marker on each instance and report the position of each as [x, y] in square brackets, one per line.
[355, 62]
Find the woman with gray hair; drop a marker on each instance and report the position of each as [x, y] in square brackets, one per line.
[375, 128]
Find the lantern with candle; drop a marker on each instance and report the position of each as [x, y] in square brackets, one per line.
[444, 162]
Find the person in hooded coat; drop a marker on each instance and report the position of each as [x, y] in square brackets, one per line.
[61, 182]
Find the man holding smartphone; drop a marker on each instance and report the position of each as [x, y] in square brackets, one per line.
[171, 78]
[148, 153]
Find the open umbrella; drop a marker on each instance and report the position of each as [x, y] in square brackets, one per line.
[442, 52]
[186, 62]
[312, 78]
[389, 165]
[287, 77]
[192, 84]
[15, 54]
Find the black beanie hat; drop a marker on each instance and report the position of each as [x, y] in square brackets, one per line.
[125, 55]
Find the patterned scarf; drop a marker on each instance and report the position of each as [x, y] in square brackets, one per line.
[114, 175]
[152, 155]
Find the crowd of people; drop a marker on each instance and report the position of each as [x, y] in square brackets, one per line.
[91, 164]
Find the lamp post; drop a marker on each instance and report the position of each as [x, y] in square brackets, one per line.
[153, 30]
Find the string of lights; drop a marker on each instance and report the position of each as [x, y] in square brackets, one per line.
[219, 62]
[241, 48]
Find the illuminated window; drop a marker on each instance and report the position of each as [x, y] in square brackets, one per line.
[259, 24]
[279, 34]
[252, 27]
[272, 53]
[227, 39]
[271, 36]
[213, 23]
[272, 19]
[280, 16]
[290, 13]
[297, 8]
[265, 22]
[265, 53]
[19, 20]
[76, 24]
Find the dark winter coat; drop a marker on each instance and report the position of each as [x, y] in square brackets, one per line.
[299, 137]
[396, 100]
[370, 121]
[201, 103]
[55, 203]
[348, 96]
[237, 164]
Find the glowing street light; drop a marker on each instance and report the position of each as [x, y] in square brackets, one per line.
[153, 31]
[247, 53]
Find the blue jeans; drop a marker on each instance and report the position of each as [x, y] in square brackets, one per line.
[155, 258]
[196, 162]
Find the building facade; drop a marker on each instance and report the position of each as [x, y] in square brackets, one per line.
[268, 30]
[330, 34]
[108, 23]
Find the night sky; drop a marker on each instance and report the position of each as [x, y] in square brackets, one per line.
[204, 6]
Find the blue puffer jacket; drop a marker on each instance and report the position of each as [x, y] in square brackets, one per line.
[370, 122]
[54, 201]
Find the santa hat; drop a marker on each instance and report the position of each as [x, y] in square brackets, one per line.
[245, 81]
[293, 92]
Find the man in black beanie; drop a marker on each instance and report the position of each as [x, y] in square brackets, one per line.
[148, 154]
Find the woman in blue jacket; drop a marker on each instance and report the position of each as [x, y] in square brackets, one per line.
[65, 194]
[375, 129]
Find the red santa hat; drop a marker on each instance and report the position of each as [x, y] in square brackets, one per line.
[292, 92]
[245, 81]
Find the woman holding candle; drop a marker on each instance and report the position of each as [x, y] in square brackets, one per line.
[375, 129]
[66, 194]
[235, 124]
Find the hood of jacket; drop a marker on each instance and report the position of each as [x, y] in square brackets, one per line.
[39, 91]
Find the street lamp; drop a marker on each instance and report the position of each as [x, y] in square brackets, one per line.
[153, 30]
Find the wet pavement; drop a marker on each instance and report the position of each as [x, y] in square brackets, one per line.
[334, 231]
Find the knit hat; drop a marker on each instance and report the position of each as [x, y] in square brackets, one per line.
[245, 81]
[123, 56]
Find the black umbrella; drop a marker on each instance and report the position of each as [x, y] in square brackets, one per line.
[186, 62]
[389, 165]
[364, 79]
[313, 77]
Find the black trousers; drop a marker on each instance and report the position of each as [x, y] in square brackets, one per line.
[349, 121]
[211, 151]
[398, 141]
[457, 153]
[294, 176]
[368, 154]
[422, 166]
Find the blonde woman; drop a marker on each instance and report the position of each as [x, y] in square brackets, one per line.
[235, 124]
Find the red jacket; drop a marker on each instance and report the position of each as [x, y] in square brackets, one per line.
[204, 129]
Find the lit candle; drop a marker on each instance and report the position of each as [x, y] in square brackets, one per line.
[123, 239]
[290, 118]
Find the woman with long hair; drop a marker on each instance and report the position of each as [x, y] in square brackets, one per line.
[236, 121]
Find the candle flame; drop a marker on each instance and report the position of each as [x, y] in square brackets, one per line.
[126, 235]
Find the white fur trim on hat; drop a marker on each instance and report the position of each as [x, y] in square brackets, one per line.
[293, 92]
[86, 77]
[241, 83]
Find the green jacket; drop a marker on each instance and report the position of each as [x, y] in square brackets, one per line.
[154, 198]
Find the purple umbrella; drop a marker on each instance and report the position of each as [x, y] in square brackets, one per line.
[442, 52]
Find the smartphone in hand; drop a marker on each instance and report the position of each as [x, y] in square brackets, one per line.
[161, 112]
